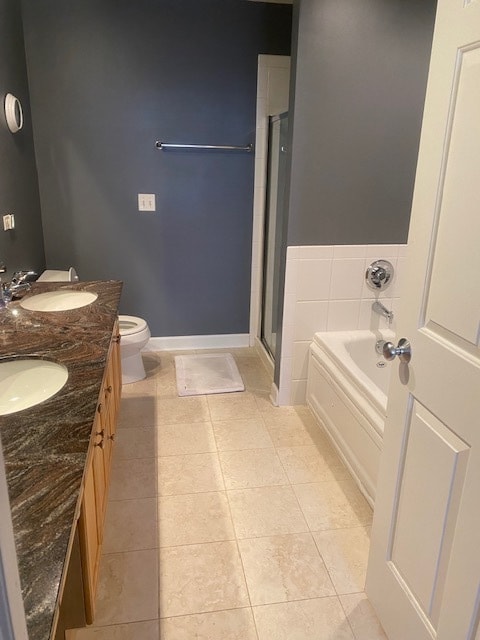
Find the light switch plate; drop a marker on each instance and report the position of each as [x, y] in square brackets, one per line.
[8, 222]
[146, 202]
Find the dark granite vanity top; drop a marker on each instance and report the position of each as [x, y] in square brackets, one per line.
[45, 446]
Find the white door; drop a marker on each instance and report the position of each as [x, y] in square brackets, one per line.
[424, 569]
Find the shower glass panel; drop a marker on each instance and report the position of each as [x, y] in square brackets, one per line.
[274, 222]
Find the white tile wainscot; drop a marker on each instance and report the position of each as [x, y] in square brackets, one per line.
[325, 290]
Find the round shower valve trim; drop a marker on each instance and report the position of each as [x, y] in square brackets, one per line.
[379, 275]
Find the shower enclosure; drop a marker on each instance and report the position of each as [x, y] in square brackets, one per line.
[275, 214]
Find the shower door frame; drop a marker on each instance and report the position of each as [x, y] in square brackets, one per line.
[280, 219]
[273, 87]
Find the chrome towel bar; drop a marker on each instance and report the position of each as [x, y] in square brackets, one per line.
[223, 147]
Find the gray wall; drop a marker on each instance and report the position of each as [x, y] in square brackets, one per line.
[361, 70]
[359, 74]
[108, 78]
[23, 247]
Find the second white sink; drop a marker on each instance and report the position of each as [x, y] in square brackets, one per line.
[59, 300]
[25, 382]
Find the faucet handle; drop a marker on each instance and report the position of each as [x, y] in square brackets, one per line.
[20, 277]
[3, 267]
[379, 274]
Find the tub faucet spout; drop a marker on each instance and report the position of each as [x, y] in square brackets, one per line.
[379, 308]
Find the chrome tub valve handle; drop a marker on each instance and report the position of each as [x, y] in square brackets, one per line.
[402, 350]
[379, 274]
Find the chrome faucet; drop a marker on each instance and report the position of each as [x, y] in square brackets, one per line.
[19, 285]
[24, 277]
[379, 308]
[15, 290]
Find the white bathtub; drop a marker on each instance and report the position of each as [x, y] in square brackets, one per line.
[347, 391]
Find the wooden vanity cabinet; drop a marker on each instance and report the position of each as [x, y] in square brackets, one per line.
[97, 474]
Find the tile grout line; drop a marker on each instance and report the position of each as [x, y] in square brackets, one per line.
[157, 465]
[346, 616]
[201, 613]
[236, 541]
[296, 498]
[304, 517]
[157, 526]
[217, 451]
[326, 568]
[116, 624]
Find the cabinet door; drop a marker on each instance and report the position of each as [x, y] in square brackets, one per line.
[90, 545]
[92, 516]
[112, 393]
[108, 418]
[100, 468]
[107, 448]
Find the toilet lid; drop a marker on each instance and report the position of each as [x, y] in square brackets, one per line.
[131, 324]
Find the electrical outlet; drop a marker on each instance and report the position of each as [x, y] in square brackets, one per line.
[146, 202]
[8, 222]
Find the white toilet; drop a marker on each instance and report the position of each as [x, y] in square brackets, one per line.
[134, 332]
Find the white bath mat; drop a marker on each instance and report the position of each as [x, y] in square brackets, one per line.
[209, 373]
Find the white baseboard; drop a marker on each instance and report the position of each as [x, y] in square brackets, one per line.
[183, 343]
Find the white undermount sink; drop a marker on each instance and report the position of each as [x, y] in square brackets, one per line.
[25, 382]
[59, 300]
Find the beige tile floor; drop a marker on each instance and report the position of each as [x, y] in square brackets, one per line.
[229, 519]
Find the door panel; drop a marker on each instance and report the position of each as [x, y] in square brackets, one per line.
[459, 187]
[427, 505]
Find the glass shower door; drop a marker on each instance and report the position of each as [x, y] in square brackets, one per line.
[274, 224]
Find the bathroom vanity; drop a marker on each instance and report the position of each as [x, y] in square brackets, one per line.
[57, 453]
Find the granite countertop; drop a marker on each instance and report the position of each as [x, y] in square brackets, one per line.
[45, 447]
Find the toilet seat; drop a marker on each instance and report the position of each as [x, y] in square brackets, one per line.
[129, 325]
